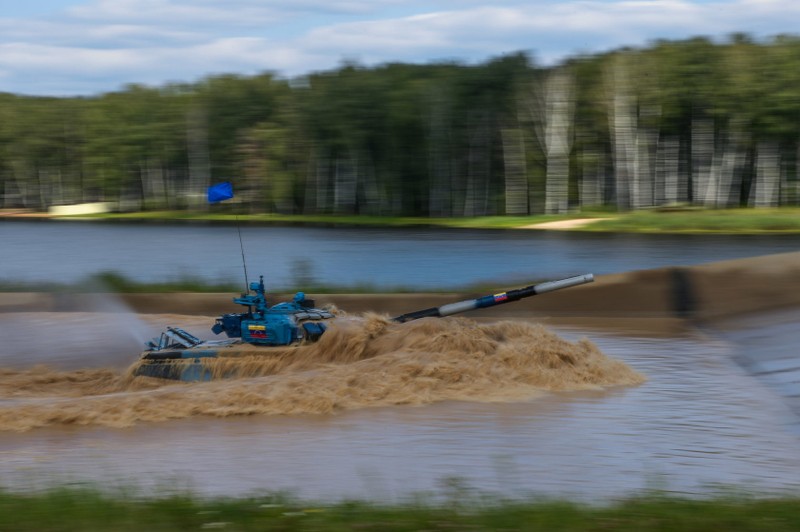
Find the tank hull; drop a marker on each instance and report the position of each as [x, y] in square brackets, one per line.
[201, 362]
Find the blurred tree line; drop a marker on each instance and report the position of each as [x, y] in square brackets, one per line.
[679, 122]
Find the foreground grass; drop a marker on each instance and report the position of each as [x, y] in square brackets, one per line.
[88, 510]
[666, 220]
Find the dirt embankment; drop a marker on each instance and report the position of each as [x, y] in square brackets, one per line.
[652, 301]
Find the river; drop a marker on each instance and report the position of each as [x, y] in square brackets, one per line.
[700, 424]
[718, 410]
[69, 251]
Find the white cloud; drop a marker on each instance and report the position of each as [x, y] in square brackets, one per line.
[496, 30]
[167, 12]
[111, 42]
[27, 58]
[232, 12]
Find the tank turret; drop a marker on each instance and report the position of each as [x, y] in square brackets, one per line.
[281, 324]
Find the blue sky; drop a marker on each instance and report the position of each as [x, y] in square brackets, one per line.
[82, 47]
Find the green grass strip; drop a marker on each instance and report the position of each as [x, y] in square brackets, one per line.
[679, 219]
[89, 510]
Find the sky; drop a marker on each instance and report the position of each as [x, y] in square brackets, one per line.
[86, 47]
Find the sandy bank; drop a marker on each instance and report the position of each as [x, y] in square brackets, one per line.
[564, 225]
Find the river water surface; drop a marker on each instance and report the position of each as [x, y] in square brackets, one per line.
[703, 418]
[700, 423]
[382, 258]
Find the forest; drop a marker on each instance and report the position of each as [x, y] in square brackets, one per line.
[689, 122]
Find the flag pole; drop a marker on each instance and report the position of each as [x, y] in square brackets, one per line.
[221, 192]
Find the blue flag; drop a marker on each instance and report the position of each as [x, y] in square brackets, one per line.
[220, 192]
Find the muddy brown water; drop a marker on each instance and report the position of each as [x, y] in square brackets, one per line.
[504, 408]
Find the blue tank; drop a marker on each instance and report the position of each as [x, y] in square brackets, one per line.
[179, 355]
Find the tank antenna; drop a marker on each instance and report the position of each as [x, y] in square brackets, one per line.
[241, 246]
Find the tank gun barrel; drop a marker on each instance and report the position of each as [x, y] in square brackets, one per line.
[496, 299]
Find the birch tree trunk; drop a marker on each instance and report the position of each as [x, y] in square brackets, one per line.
[7, 195]
[623, 131]
[712, 187]
[796, 187]
[559, 106]
[322, 178]
[44, 189]
[702, 155]
[143, 178]
[784, 192]
[311, 191]
[157, 180]
[477, 200]
[732, 166]
[765, 190]
[440, 192]
[368, 197]
[725, 173]
[644, 166]
[667, 171]
[151, 174]
[591, 190]
[59, 195]
[345, 183]
[170, 188]
[199, 159]
[20, 173]
[516, 175]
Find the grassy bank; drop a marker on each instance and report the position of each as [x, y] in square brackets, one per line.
[114, 282]
[86, 510]
[663, 220]
[729, 221]
[214, 215]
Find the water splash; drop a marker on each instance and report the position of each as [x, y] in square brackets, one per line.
[102, 333]
[360, 362]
